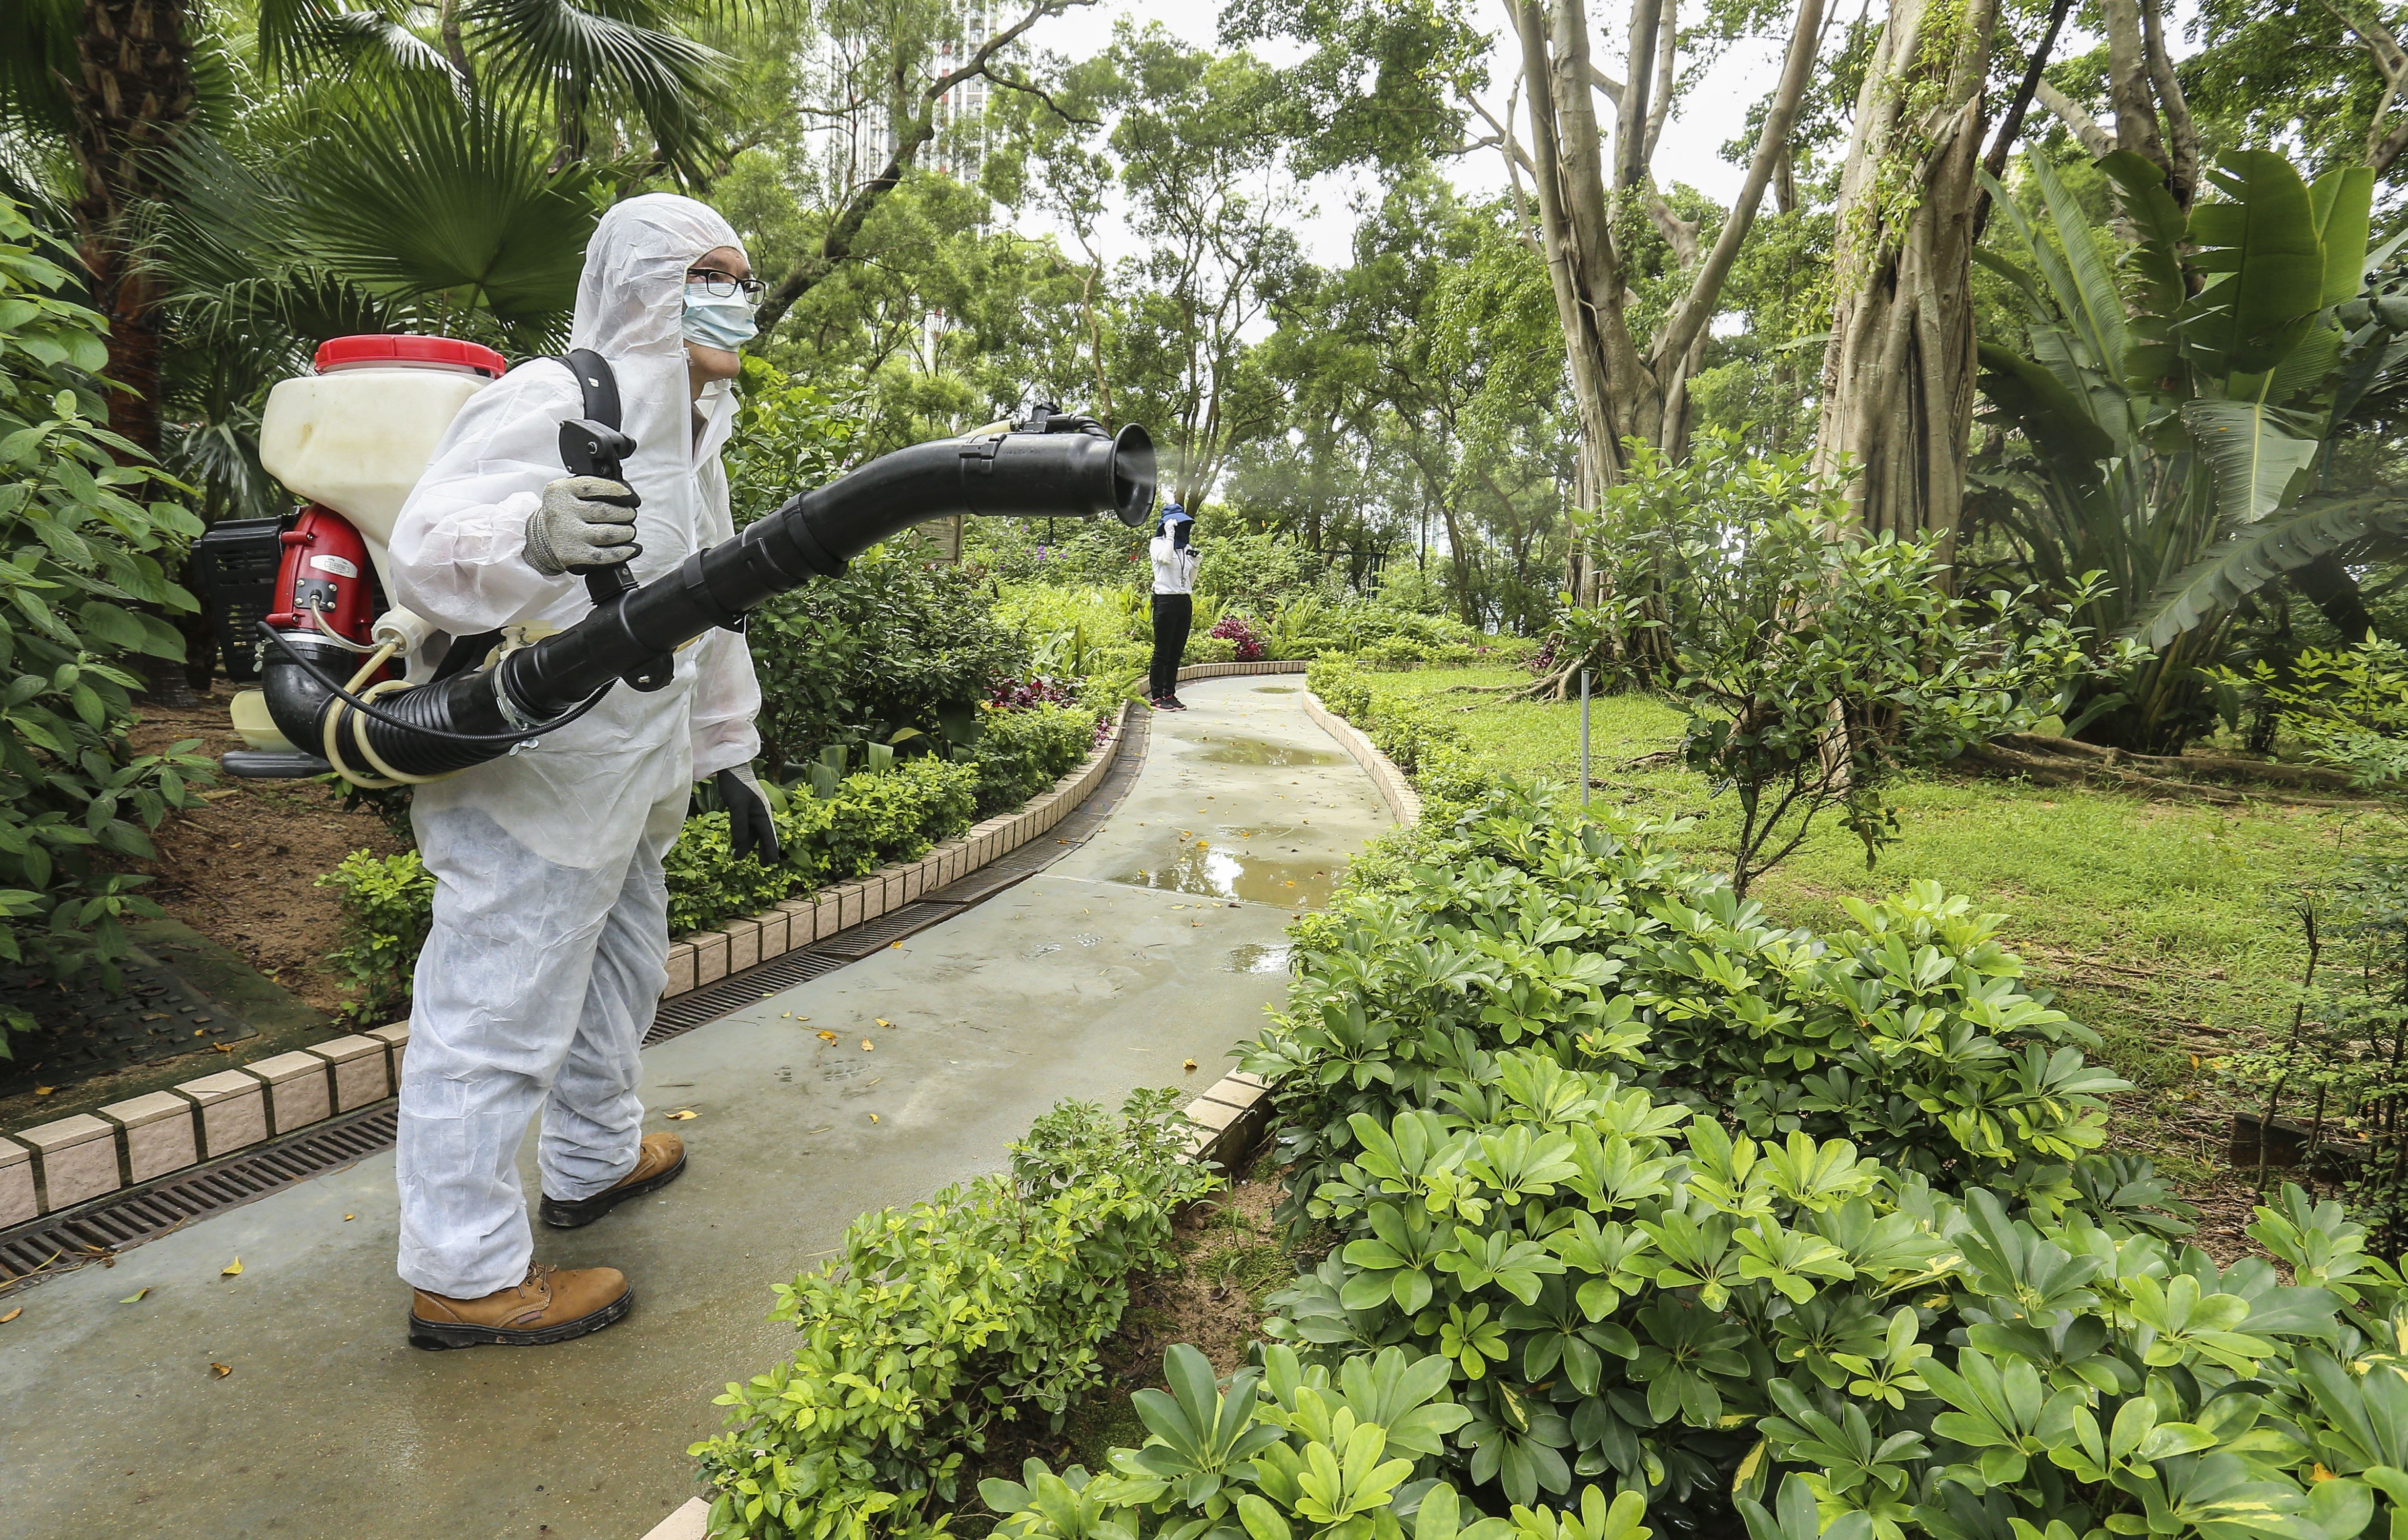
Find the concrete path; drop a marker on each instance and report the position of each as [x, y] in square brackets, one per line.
[1157, 941]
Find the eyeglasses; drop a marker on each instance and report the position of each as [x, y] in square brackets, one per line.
[719, 285]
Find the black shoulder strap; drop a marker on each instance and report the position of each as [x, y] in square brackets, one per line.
[599, 385]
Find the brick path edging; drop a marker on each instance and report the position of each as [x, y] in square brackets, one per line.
[1394, 789]
[1225, 671]
[73, 1161]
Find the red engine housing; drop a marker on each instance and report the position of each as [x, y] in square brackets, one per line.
[326, 568]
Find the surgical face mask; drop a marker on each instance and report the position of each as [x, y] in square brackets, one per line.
[716, 323]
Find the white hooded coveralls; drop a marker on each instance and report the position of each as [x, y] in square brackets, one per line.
[550, 946]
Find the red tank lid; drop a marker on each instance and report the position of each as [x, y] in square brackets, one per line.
[394, 347]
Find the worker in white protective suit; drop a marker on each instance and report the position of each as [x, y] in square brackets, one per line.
[549, 943]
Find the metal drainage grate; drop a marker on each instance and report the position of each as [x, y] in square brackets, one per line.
[700, 1007]
[884, 931]
[61, 1243]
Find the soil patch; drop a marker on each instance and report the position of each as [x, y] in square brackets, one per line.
[243, 869]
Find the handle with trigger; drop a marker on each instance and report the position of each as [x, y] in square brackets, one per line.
[588, 448]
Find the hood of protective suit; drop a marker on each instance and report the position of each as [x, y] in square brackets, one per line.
[631, 309]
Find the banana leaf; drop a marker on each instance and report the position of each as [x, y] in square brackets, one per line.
[2249, 560]
[2253, 454]
[2267, 262]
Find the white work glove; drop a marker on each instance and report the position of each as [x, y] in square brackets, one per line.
[574, 530]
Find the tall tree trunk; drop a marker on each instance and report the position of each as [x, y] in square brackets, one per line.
[1569, 180]
[133, 93]
[1898, 373]
[130, 95]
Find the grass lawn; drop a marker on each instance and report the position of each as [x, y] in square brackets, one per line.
[2163, 926]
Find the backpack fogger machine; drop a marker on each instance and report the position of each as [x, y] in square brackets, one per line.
[352, 439]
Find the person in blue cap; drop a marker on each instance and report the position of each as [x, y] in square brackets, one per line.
[1174, 604]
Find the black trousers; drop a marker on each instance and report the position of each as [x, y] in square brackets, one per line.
[1173, 615]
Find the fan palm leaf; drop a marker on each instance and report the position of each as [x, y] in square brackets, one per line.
[430, 198]
[625, 53]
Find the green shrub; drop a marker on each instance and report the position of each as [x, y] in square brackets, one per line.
[709, 887]
[789, 438]
[1818, 668]
[1284, 1450]
[1414, 735]
[1340, 686]
[1624, 1290]
[874, 820]
[388, 905]
[1713, 1211]
[1910, 1035]
[985, 1303]
[897, 643]
[85, 561]
[1022, 753]
[897, 816]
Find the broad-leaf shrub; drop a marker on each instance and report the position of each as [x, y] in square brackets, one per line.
[1287, 1449]
[81, 555]
[388, 905]
[1523, 927]
[986, 1302]
[1707, 1299]
[895, 643]
[1022, 753]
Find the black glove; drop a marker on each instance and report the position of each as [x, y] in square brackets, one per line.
[750, 830]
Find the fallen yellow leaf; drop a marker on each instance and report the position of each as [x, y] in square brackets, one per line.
[44, 1091]
[873, 1117]
[232, 1268]
[896, 946]
[136, 1298]
[868, 1047]
[220, 1370]
[1188, 1065]
[682, 1115]
[222, 1047]
[347, 1218]
[12, 1314]
[826, 1036]
[1203, 845]
[883, 1022]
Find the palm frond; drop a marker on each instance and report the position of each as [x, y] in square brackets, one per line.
[430, 196]
[38, 57]
[619, 52]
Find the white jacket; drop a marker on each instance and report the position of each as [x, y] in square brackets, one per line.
[459, 549]
[1174, 571]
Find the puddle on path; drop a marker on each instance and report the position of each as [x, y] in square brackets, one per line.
[1254, 959]
[1261, 751]
[1228, 873]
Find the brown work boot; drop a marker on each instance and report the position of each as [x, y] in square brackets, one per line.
[660, 1159]
[552, 1305]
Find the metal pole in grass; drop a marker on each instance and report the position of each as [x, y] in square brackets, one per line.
[1584, 737]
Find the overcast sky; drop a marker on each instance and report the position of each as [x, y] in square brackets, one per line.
[1711, 114]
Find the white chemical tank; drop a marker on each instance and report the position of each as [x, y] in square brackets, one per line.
[356, 435]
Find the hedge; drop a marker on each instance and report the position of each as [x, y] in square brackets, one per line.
[984, 1304]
